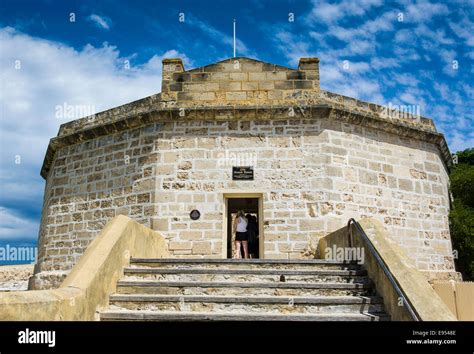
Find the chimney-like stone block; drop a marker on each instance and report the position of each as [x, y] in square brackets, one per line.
[238, 81]
[170, 67]
[311, 67]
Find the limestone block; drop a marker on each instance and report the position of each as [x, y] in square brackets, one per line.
[405, 184]
[160, 224]
[233, 96]
[180, 245]
[367, 177]
[191, 235]
[238, 76]
[275, 75]
[202, 247]
[249, 86]
[311, 225]
[256, 76]
[233, 86]
[265, 85]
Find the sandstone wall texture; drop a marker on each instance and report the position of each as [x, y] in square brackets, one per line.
[319, 159]
[15, 277]
[315, 175]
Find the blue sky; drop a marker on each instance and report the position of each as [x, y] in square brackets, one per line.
[399, 52]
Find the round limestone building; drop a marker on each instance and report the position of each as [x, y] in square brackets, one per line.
[244, 134]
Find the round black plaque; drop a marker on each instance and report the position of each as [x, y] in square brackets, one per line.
[195, 214]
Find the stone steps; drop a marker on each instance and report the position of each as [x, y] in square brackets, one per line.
[243, 290]
[240, 275]
[130, 315]
[240, 288]
[243, 264]
[245, 304]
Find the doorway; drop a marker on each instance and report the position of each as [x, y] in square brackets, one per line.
[252, 206]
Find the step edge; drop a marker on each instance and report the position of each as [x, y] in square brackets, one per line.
[243, 261]
[210, 316]
[336, 272]
[357, 300]
[158, 283]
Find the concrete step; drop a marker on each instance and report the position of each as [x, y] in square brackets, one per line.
[245, 304]
[241, 288]
[296, 264]
[133, 315]
[245, 275]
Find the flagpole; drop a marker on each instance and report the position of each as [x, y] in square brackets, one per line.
[234, 38]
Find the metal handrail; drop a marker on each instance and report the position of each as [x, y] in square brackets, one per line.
[384, 267]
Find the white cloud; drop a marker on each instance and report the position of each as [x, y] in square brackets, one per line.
[378, 63]
[327, 12]
[100, 21]
[355, 67]
[406, 54]
[463, 29]
[437, 37]
[406, 79]
[448, 57]
[392, 61]
[459, 141]
[51, 75]
[365, 30]
[292, 47]
[423, 10]
[359, 47]
[13, 226]
[405, 36]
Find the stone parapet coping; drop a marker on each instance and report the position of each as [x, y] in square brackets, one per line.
[86, 289]
[154, 102]
[317, 111]
[427, 304]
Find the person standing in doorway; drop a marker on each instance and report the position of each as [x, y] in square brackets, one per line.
[252, 231]
[241, 235]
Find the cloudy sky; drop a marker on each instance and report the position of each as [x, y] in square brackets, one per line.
[100, 54]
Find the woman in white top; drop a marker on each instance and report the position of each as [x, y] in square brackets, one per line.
[241, 235]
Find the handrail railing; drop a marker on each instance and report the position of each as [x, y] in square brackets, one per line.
[384, 267]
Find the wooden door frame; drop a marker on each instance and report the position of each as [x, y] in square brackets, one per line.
[243, 194]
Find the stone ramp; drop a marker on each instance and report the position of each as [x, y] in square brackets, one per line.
[243, 290]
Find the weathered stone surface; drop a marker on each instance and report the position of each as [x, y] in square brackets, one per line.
[426, 304]
[156, 160]
[286, 290]
[15, 277]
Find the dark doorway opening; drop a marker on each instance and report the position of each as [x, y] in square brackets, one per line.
[251, 208]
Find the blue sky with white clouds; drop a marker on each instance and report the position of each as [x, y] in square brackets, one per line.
[388, 52]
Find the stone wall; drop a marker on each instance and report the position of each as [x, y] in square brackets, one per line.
[15, 277]
[314, 174]
[90, 183]
[241, 81]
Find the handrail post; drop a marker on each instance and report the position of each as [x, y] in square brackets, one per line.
[349, 231]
